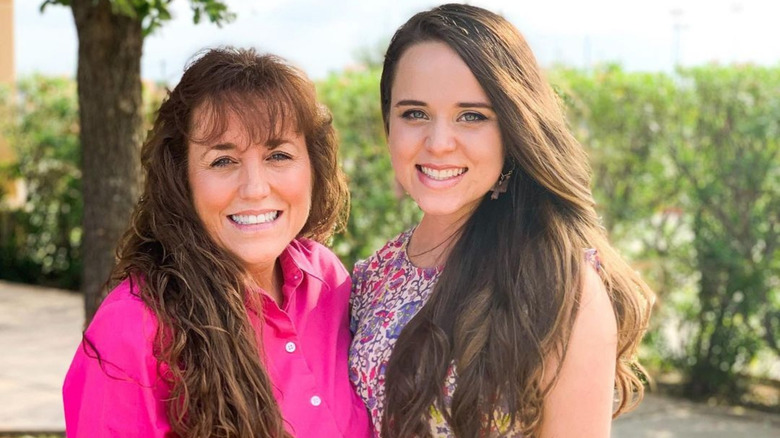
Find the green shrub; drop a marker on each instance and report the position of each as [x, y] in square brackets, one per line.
[687, 174]
[41, 239]
[379, 209]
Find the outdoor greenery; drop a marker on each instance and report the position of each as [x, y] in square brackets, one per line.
[40, 240]
[379, 209]
[686, 173]
[111, 35]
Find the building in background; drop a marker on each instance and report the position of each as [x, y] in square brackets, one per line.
[7, 42]
[12, 190]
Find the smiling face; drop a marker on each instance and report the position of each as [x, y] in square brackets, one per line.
[253, 198]
[443, 135]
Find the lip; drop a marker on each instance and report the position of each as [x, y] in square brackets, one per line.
[439, 166]
[439, 184]
[254, 227]
[253, 212]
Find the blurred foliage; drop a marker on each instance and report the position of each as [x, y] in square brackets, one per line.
[686, 175]
[40, 239]
[155, 13]
[729, 160]
[379, 209]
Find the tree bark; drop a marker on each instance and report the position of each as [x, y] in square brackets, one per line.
[109, 92]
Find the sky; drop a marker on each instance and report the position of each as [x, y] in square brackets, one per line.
[324, 36]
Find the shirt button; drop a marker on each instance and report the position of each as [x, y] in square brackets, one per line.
[316, 401]
[290, 347]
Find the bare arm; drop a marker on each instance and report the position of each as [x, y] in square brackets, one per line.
[580, 403]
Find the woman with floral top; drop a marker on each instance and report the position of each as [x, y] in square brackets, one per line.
[505, 312]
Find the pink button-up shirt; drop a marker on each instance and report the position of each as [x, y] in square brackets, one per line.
[305, 347]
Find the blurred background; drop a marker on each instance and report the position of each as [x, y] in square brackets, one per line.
[677, 102]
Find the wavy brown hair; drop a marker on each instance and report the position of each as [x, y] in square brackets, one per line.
[508, 296]
[205, 345]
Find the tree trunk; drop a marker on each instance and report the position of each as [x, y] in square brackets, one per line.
[109, 90]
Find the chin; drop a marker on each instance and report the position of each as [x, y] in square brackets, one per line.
[439, 210]
[259, 256]
[443, 207]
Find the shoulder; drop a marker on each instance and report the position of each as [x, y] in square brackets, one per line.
[118, 345]
[594, 298]
[380, 259]
[123, 327]
[123, 308]
[367, 273]
[595, 305]
[114, 386]
[592, 257]
[582, 393]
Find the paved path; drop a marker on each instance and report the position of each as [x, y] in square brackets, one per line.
[664, 417]
[41, 328]
[39, 332]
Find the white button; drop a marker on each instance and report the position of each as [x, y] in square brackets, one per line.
[316, 401]
[290, 347]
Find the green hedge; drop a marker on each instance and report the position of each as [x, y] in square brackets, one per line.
[686, 175]
[39, 241]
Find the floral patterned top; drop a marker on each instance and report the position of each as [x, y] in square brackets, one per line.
[387, 292]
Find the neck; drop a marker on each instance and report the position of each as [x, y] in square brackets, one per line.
[432, 240]
[270, 281]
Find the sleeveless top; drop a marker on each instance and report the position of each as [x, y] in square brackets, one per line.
[387, 292]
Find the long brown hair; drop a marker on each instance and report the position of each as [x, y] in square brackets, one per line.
[205, 345]
[509, 293]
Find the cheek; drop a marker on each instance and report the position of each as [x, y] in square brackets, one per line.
[304, 192]
[400, 137]
[298, 189]
[401, 149]
[400, 161]
[492, 156]
[209, 195]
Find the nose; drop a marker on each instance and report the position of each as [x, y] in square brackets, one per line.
[254, 182]
[441, 137]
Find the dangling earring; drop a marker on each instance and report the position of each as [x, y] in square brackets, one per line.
[502, 184]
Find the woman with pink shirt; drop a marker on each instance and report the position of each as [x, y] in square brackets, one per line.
[230, 319]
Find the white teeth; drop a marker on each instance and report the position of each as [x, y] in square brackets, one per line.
[251, 219]
[441, 174]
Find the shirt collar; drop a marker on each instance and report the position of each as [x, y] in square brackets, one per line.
[295, 261]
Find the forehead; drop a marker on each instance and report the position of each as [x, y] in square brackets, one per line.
[247, 121]
[432, 72]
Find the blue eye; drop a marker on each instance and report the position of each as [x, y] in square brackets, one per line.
[279, 156]
[414, 115]
[473, 117]
[222, 162]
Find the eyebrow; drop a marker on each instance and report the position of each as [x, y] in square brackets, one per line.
[219, 147]
[271, 144]
[410, 102]
[476, 105]
[275, 142]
